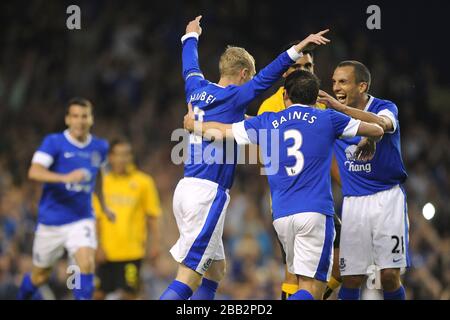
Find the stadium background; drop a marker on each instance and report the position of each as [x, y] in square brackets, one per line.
[127, 60]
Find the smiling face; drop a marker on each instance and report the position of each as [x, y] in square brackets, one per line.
[79, 120]
[346, 88]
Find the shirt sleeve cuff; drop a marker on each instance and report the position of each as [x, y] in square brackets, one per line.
[239, 133]
[189, 35]
[351, 129]
[293, 54]
[390, 115]
[42, 158]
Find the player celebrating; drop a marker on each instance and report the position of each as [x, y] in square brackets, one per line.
[275, 103]
[302, 203]
[132, 195]
[68, 164]
[201, 197]
[374, 212]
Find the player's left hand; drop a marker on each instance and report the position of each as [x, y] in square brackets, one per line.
[189, 119]
[365, 150]
[194, 26]
[329, 101]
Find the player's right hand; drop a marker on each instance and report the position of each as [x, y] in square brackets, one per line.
[189, 119]
[76, 176]
[313, 40]
[194, 26]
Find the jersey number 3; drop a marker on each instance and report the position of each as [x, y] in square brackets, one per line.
[294, 151]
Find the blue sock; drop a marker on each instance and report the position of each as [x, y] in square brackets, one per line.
[27, 288]
[301, 295]
[177, 291]
[349, 294]
[206, 291]
[398, 294]
[86, 289]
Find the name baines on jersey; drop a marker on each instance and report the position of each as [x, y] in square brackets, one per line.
[385, 170]
[211, 102]
[299, 140]
[65, 203]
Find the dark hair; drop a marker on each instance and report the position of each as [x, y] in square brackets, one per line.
[293, 43]
[79, 102]
[362, 73]
[116, 141]
[302, 87]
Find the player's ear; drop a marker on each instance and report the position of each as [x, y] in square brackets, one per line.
[363, 87]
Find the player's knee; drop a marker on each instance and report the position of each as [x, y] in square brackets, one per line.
[217, 271]
[86, 265]
[352, 282]
[390, 278]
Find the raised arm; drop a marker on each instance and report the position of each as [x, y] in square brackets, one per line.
[272, 72]
[192, 74]
[383, 121]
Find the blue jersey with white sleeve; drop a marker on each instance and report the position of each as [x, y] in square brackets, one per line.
[385, 170]
[296, 147]
[65, 203]
[211, 102]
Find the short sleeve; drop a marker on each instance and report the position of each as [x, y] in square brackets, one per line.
[247, 131]
[390, 110]
[344, 126]
[47, 151]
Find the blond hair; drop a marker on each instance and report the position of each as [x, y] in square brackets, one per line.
[234, 59]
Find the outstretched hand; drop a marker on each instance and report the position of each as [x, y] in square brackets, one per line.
[313, 40]
[194, 26]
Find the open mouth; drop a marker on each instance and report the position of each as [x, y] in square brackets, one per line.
[341, 97]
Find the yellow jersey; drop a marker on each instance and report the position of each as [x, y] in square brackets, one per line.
[132, 197]
[275, 103]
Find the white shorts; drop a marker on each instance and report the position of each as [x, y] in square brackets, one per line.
[307, 239]
[50, 241]
[374, 232]
[199, 207]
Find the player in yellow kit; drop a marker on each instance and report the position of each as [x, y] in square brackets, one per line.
[275, 103]
[123, 244]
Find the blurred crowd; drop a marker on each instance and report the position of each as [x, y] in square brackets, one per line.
[127, 60]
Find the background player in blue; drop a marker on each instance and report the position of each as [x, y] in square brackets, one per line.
[302, 137]
[68, 163]
[374, 211]
[201, 197]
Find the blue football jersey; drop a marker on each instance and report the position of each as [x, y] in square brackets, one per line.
[296, 147]
[385, 170]
[211, 102]
[65, 203]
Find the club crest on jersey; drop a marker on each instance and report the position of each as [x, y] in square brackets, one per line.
[350, 163]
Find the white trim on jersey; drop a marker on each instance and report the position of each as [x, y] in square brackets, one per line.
[351, 129]
[390, 115]
[369, 103]
[75, 142]
[293, 54]
[42, 158]
[239, 133]
[189, 35]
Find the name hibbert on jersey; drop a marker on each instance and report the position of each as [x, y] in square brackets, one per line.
[202, 96]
